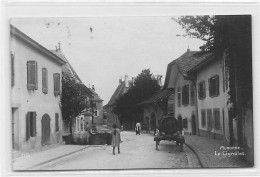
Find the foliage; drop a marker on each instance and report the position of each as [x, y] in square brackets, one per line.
[144, 86]
[73, 96]
[230, 34]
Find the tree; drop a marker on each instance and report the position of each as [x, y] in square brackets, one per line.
[73, 98]
[144, 86]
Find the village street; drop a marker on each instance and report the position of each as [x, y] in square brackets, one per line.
[137, 151]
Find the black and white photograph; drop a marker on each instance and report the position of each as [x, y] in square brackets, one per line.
[131, 92]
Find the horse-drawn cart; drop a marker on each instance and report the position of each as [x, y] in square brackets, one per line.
[169, 129]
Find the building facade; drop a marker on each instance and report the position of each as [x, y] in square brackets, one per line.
[35, 93]
[212, 87]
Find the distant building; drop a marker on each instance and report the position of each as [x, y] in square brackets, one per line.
[35, 93]
[98, 115]
[121, 89]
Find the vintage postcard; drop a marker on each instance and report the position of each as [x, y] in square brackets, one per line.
[142, 92]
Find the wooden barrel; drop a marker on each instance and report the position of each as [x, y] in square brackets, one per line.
[169, 125]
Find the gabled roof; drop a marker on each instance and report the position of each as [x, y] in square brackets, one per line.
[158, 96]
[67, 67]
[118, 92]
[20, 35]
[186, 62]
[96, 96]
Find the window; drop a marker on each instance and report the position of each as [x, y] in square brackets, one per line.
[192, 96]
[209, 119]
[12, 69]
[57, 127]
[201, 90]
[32, 76]
[185, 95]
[44, 80]
[80, 123]
[179, 96]
[214, 86]
[185, 123]
[203, 118]
[96, 113]
[56, 79]
[216, 119]
[30, 125]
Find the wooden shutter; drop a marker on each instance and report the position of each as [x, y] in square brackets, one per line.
[188, 94]
[32, 82]
[56, 79]
[217, 85]
[34, 124]
[44, 80]
[27, 126]
[56, 122]
[12, 69]
[204, 89]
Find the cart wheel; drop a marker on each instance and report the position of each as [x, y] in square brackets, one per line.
[181, 147]
[156, 144]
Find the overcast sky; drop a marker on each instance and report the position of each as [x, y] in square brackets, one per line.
[102, 50]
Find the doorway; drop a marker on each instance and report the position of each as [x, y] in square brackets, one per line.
[46, 129]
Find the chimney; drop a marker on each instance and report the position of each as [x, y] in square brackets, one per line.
[93, 87]
[126, 81]
[120, 81]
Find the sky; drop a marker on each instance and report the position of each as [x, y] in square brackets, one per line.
[104, 49]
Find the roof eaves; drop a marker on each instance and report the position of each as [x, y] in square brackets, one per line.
[20, 35]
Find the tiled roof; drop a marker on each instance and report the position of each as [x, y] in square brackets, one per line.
[189, 60]
[159, 95]
[186, 62]
[118, 92]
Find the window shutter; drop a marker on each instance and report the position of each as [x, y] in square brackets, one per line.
[56, 122]
[217, 85]
[27, 126]
[34, 124]
[56, 79]
[188, 94]
[32, 83]
[44, 80]
[12, 69]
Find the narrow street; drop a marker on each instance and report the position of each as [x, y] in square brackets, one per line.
[137, 151]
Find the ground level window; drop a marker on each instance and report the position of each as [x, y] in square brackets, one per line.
[30, 125]
[185, 123]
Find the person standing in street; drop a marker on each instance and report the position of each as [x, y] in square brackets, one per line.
[138, 128]
[116, 138]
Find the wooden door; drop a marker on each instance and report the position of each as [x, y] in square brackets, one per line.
[46, 130]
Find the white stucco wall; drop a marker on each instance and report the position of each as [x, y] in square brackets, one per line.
[185, 111]
[35, 101]
[219, 101]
